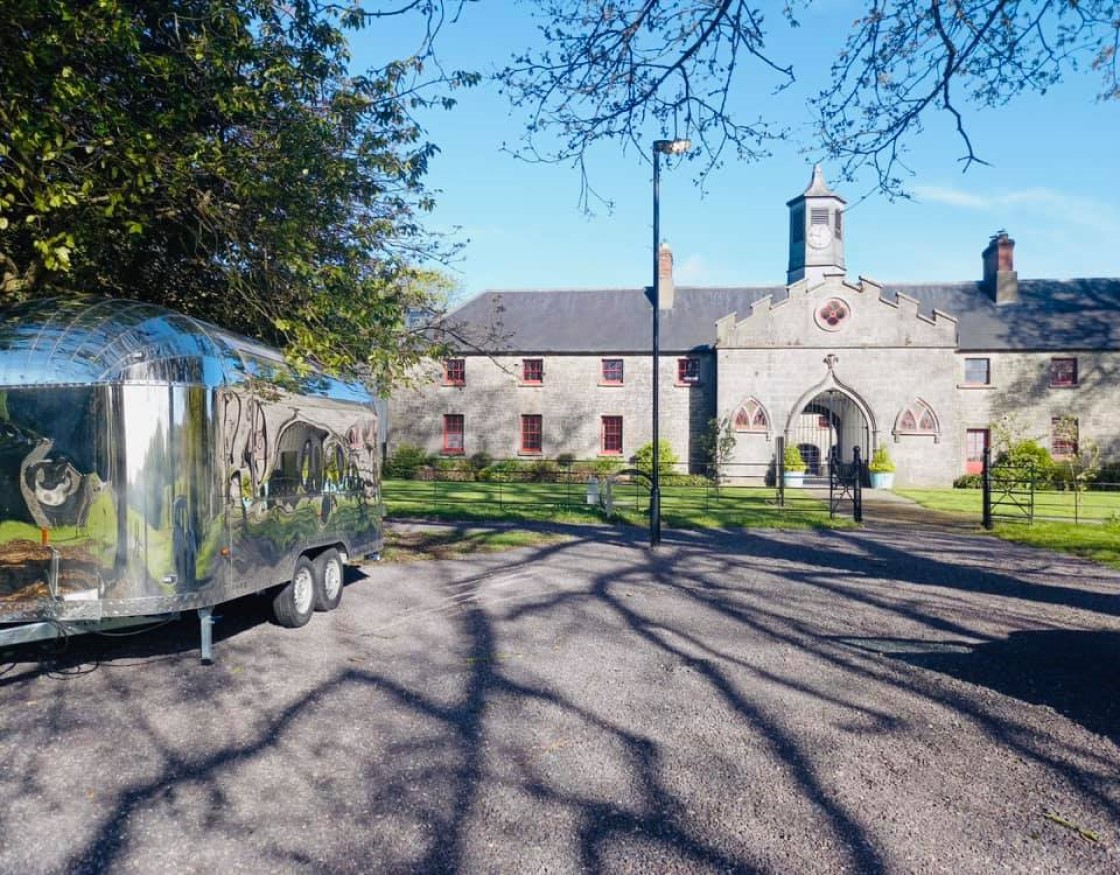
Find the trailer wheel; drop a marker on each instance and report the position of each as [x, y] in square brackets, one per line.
[294, 604]
[328, 580]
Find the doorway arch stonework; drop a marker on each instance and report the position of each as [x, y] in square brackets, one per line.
[831, 416]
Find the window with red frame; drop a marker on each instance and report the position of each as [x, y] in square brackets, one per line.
[612, 371]
[531, 433]
[453, 433]
[1063, 436]
[975, 441]
[610, 441]
[532, 371]
[1063, 372]
[454, 372]
[688, 371]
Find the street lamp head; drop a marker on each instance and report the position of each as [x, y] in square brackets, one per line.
[672, 147]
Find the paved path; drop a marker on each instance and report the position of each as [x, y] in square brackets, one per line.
[881, 507]
[869, 701]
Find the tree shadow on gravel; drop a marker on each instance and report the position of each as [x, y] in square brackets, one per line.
[443, 797]
[1074, 673]
[406, 750]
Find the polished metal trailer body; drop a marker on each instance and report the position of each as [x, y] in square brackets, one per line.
[153, 463]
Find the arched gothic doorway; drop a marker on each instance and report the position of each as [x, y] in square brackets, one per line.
[831, 422]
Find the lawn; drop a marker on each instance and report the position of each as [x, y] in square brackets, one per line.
[688, 507]
[1089, 506]
[681, 506]
[1096, 542]
[1095, 535]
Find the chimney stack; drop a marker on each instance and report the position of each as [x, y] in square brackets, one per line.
[665, 276]
[1000, 277]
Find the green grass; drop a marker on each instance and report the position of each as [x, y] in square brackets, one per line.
[413, 546]
[1099, 543]
[1095, 538]
[684, 507]
[1089, 506]
[963, 501]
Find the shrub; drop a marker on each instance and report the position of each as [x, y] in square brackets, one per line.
[405, 463]
[605, 467]
[792, 460]
[1107, 477]
[542, 471]
[643, 459]
[480, 460]
[687, 480]
[1025, 456]
[969, 481]
[565, 460]
[505, 471]
[881, 461]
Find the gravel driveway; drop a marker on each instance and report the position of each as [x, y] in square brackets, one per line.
[777, 702]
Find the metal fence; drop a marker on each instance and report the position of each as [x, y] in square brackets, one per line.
[1028, 494]
[519, 485]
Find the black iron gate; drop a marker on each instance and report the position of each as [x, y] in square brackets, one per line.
[828, 428]
[1008, 491]
[845, 483]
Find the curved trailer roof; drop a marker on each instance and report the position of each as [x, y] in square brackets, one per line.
[81, 340]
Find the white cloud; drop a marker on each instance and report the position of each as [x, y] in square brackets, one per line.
[951, 196]
[1057, 206]
[692, 271]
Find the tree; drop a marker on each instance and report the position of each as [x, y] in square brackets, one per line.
[1076, 470]
[717, 443]
[219, 158]
[629, 70]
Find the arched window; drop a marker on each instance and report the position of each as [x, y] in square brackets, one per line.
[751, 416]
[917, 418]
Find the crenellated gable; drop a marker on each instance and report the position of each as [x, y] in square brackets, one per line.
[835, 313]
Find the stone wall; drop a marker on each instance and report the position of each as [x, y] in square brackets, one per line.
[1020, 391]
[884, 356]
[571, 401]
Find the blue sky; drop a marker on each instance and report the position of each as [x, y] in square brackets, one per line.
[1053, 184]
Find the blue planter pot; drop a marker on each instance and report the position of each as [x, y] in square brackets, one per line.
[793, 479]
[882, 479]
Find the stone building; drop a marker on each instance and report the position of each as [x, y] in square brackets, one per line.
[827, 362]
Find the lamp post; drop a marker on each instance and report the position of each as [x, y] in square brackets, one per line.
[660, 147]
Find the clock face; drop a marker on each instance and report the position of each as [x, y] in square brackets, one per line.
[819, 236]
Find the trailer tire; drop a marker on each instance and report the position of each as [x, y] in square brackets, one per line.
[328, 580]
[293, 605]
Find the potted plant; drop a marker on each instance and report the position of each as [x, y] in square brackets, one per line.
[881, 468]
[793, 466]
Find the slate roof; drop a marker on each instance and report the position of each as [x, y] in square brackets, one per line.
[1051, 315]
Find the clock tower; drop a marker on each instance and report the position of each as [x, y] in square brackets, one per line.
[816, 232]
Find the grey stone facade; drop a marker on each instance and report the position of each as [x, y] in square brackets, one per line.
[571, 400]
[825, 362]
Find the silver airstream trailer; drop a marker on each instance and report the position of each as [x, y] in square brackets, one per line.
[151, 463]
